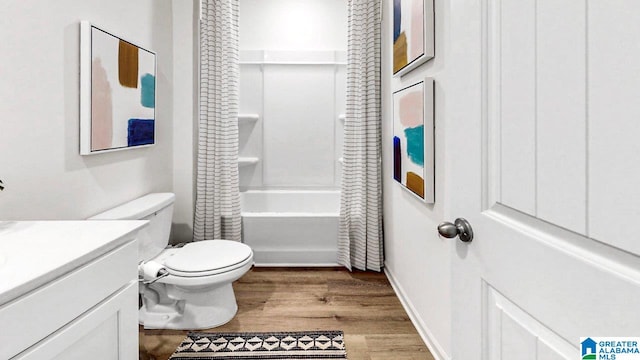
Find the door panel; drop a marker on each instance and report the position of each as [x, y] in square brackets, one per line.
[553, 282]
[537, 56]
[514, 334]
[514, 61]
[560, 112]
[614, 122]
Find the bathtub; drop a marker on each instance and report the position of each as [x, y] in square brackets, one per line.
[291, 227]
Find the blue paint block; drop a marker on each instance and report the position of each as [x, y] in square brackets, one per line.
[148, 91]
[415, 144]
[397, 16]
[140, 132]
[397, 160]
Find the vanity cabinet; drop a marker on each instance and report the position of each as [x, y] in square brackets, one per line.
[87, 312]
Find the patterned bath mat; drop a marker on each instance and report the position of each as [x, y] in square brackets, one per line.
[252, 346]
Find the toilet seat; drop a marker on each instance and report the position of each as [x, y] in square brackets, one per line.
[208, 257]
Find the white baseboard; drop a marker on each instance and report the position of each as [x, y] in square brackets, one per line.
[427, 336]
[263, 256]
[303, 265]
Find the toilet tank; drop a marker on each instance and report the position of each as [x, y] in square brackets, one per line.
[155, 207]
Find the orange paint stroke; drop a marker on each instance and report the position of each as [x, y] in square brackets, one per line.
[415, 183]
[128, 65]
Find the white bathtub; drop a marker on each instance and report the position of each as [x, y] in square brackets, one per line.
[291, 227]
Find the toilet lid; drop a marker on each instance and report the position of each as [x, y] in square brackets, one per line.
[208, 255]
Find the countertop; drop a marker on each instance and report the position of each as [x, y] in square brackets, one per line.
[32, 253]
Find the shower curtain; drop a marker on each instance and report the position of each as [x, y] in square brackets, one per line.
[217, 211]
[360, 237]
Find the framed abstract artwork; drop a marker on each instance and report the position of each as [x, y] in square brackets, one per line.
[413, 139]
[117, 92]
[413, 34]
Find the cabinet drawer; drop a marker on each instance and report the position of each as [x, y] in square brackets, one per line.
[31, 317]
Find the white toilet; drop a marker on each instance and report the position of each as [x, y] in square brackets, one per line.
[182, 288]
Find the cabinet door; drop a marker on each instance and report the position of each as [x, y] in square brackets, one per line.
[34, 316]
[107, 331]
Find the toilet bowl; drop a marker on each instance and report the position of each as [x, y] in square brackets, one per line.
[187, 287]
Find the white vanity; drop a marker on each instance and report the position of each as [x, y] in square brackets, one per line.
[68, 290]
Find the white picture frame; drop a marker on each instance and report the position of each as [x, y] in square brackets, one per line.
[414, 139]
[117, 92]
[413, 34]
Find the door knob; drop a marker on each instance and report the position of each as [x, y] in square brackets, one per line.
[460, 228]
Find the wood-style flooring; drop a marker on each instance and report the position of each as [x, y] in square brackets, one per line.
[362, 304]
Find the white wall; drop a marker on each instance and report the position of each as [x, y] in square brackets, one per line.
[185, 115]
[297, 137]
[45, 176]
[416, 259]
[293, 24]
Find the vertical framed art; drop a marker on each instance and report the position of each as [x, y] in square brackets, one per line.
[117, 92]
[413, 139]
[413, 34]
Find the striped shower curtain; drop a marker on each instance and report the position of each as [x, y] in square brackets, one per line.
[217, 212]
[360, 237]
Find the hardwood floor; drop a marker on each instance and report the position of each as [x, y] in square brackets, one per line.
[362, 304]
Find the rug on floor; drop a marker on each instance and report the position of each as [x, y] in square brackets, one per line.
[272, 345]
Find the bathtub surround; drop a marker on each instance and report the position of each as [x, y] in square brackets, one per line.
[217, 212]
[291, 111]
[292, 83]
[285, 121]
[360, 236]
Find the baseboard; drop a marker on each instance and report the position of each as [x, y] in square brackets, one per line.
[299, 265]
[427, 336]
[294, 257]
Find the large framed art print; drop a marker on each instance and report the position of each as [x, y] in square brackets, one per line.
[413, 34]
[413, 139]
[117, 92]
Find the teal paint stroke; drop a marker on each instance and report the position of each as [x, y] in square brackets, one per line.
[415, 144]
[148, 91]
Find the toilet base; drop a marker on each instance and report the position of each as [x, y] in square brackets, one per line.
[166, 306]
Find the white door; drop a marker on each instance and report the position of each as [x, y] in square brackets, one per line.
[543, 160]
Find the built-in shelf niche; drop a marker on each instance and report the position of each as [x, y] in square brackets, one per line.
[265, 75]
[247, 118]
[246, 161]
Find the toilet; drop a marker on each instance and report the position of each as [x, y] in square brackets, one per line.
[187, 287]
